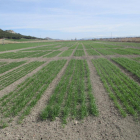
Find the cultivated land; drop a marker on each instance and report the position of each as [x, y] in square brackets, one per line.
[77, 90]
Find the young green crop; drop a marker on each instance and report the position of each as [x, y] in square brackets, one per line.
[15, 55]
[80, 47]
[76, 97]
[136, 58]
[92, 52]
[129, 64]
[73, 47]
[26, 95]
[127, 51]
[66, 53]
[105, 51]
[123, 91]
[2, 63]
[53, 54]
[10, 66]
[15, 46]
[79, 53]
[12, 76]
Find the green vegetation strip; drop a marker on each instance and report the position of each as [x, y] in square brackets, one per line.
[2, 63]
[15, 55]
[129, 64]
[66, 53]
[73, 47]
[40, 53]
[122, 90]
[15, 46]
[92, 52]
[105, 51]
[12, 76]
[128, 51]
[53, 54]
[136, 59]
[25, 96]
[87, 46]
[80, 46]
[79, 53]
[73, 95]
[10, 66]
[20, 54]
[43, 48]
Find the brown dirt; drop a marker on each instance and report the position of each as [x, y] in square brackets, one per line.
[109, 125]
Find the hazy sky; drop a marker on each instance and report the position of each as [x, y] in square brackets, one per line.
[66, 19]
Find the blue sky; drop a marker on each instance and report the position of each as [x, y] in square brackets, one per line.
[67, 19]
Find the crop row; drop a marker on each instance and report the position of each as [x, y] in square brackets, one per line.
[127, 51]
[16, 74]
[123, 91]
[53, 54]
[80, 46]
[129, 64]
[92, 52]
[73, 46]
[20, 54]
[25, 96]
[10, 66]
[73, 95]
[87, 46]
[130, 44]
[136, 58]
[43, 48]
[2, 63]
[66, 53]
[15, 46]
[105, 51]
[79, 53]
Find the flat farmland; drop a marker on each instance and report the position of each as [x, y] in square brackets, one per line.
[70, 90]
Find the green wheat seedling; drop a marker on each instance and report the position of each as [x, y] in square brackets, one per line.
[16, 74]
[26, 95]
[130, 65]
[79, 53]
[119, 86]
[66, 53]
[92, 52]
[69, 97]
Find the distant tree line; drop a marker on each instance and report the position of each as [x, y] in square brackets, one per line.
[5, 34]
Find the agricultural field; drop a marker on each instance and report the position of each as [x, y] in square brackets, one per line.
[66, 53]
[79, 53]
[70, 90]
[92, 52]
